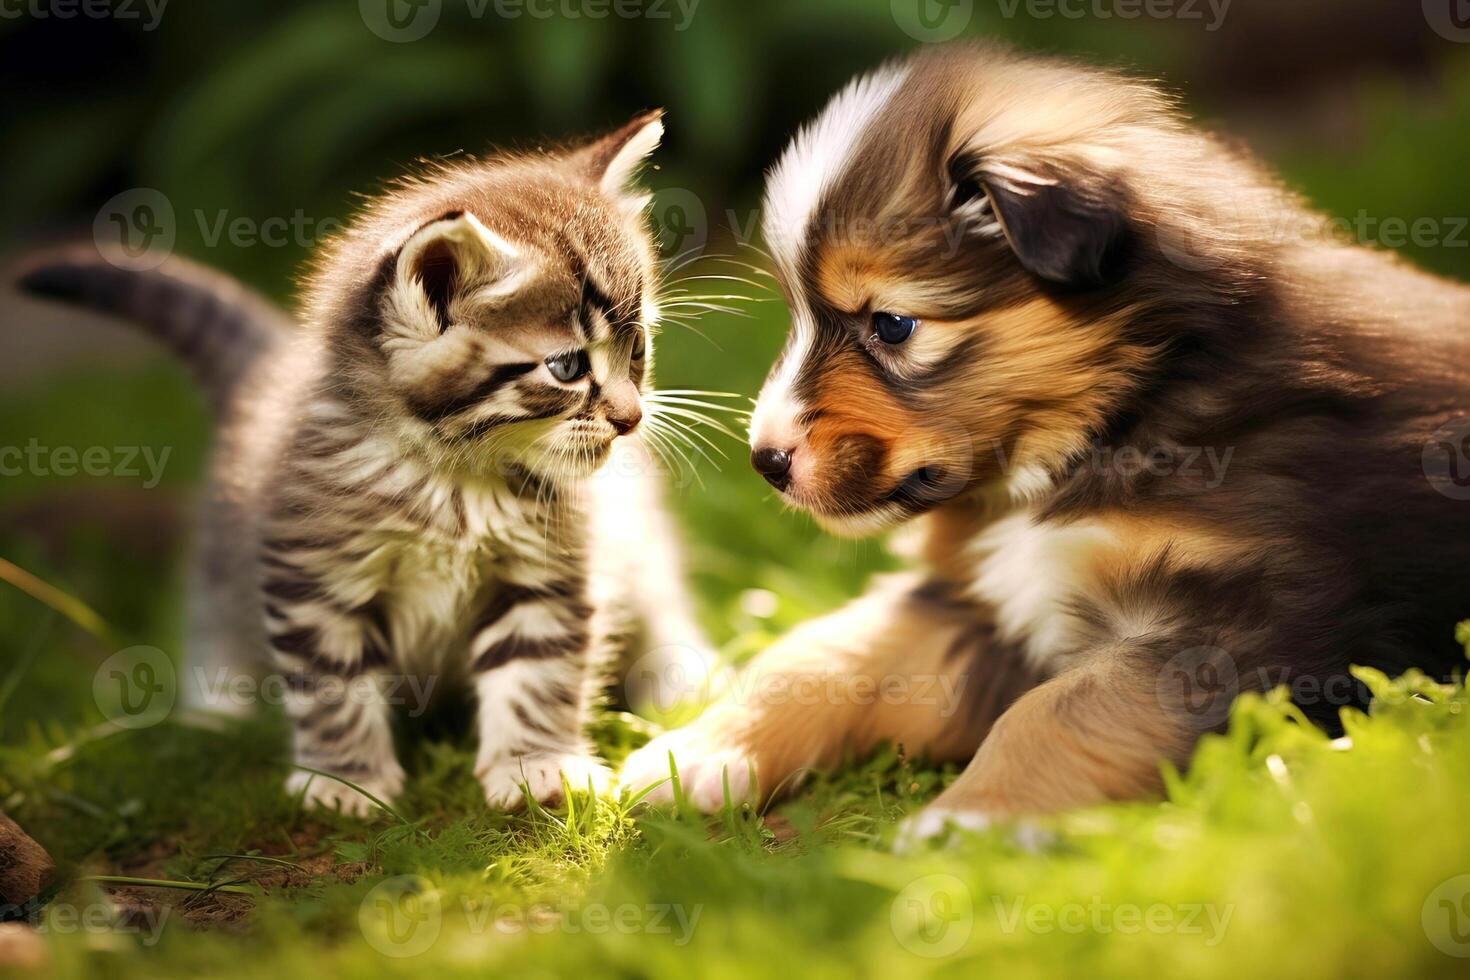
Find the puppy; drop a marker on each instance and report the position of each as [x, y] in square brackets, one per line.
[1160, 436]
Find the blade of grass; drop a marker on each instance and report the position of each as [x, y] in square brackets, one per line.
[638, 797]
[72, 608]
[189, 886]
[353, 786]
[224, 859]
[678, 787]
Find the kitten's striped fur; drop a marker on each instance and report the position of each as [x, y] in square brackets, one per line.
[406, 487]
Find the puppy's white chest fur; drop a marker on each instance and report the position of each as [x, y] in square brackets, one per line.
[1029, 572]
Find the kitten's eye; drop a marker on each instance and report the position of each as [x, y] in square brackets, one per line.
[892, 328]
[569, 366]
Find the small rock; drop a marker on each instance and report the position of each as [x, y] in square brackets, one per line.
[25, 867]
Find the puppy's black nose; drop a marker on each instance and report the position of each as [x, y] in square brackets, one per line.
[774, 465]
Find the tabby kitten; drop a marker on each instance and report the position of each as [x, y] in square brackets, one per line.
[410, 486]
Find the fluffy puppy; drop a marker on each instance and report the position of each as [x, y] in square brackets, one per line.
[1160, 436]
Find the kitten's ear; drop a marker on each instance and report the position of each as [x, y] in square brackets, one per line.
[611, 161]
[1068, 231]
[448, 255]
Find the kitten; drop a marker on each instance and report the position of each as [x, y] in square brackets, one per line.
[409, 486]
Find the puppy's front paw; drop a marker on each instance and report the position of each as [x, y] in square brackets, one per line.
[323, 792]
[705, 763]
[541, 775]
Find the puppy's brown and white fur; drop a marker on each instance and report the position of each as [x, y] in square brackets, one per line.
[1106, 299]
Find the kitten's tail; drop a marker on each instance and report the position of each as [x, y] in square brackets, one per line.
[215, 324]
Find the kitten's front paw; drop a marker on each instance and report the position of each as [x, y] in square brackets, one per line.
[322, 792]
[704, 765]
[541, 775]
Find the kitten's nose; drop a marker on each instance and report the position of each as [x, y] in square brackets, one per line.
[774, 465]
[626, 420]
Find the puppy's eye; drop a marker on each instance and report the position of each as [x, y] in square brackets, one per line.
[892, 328]
[569, 366]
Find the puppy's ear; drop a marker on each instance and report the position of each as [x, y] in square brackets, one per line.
[1068, 232]
[446, 257]
[613, 160]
